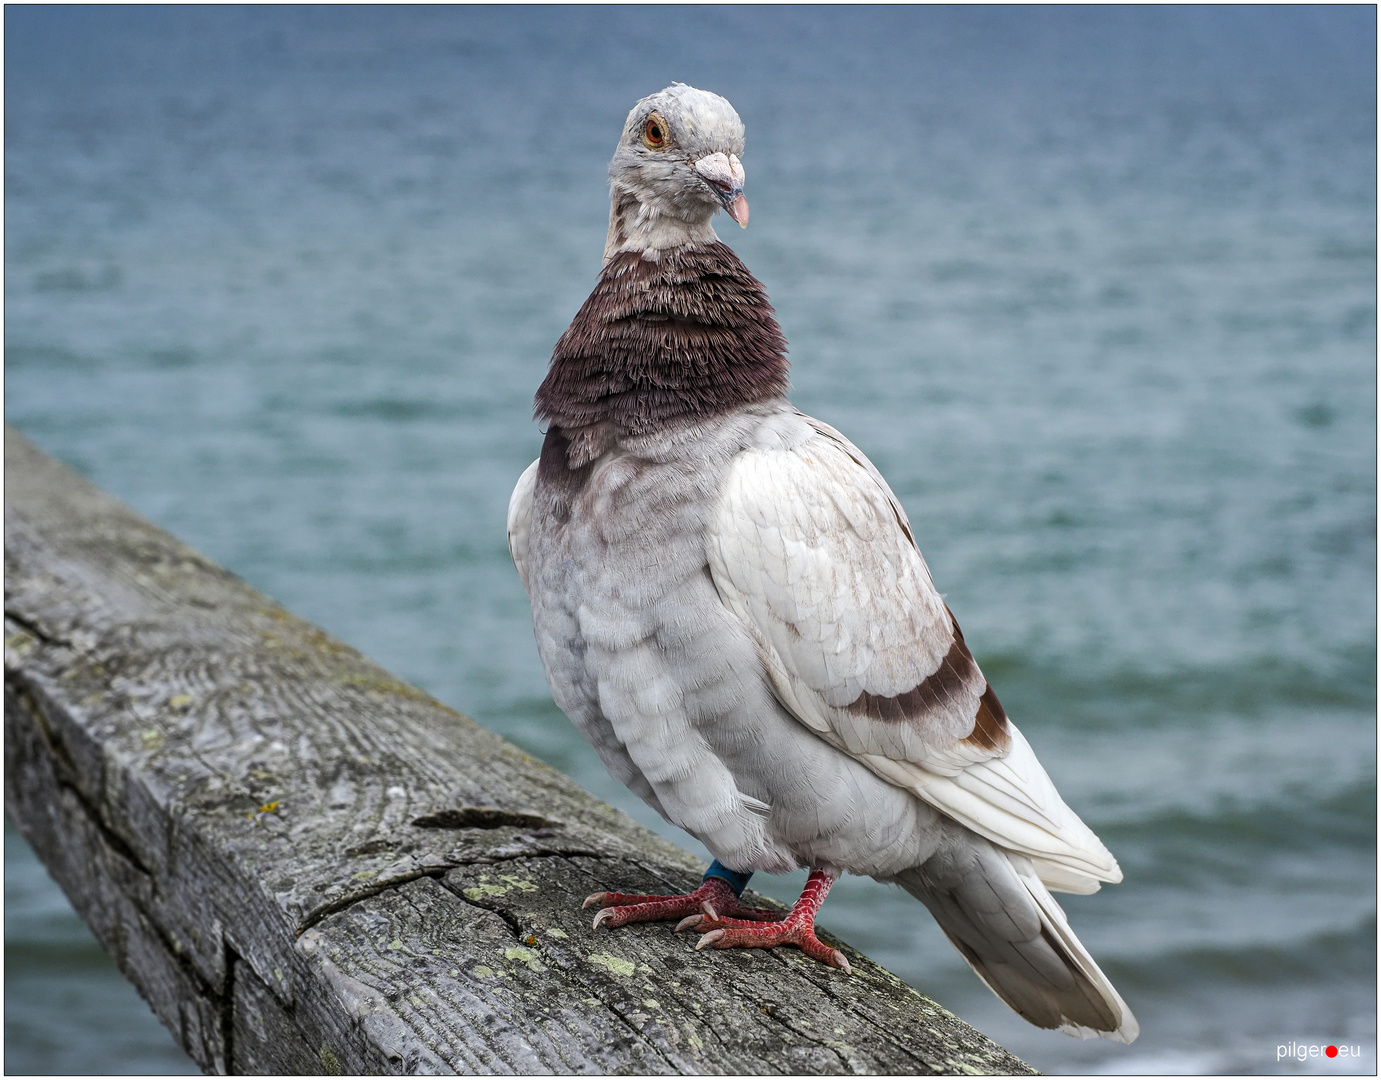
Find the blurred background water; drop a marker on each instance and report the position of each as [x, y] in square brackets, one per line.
[1095, 289]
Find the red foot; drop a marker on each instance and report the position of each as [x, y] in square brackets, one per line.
[711, 901]
[798, 928]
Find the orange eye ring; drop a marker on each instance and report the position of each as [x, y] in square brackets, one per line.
[655, 133]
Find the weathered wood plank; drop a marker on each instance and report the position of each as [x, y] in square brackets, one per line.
[308, 866]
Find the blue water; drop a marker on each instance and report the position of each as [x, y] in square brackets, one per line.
[1094, 288]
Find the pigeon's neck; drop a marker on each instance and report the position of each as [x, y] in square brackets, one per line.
[641, 227]
[659, 344]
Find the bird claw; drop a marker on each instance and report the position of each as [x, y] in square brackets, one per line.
[798, 929]
[690, 922]
[703, 905]
[759, 938]
[751, 928]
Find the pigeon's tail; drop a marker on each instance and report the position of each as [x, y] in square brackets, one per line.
[1004, 921]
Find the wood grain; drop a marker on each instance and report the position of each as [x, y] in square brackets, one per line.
[306, 865]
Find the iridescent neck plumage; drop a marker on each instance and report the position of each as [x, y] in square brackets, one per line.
[657, 344]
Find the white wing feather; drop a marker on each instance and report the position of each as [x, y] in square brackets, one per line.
[810, 548]
[520, 520]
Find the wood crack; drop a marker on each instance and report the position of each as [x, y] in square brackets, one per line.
[626, 1022]
[34, 630]
[810, 1037]
[713, 1030]
[364, 893]
[20, 690]
[437, 871]
[227, 1007]
[522, 937]
[534, 853]
[852, 1008]
[479, 817]
[509, 919]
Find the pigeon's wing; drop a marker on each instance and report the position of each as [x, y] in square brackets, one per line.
[520, 518]
[811, 550]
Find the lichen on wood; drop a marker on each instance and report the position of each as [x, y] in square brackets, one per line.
[308, 866]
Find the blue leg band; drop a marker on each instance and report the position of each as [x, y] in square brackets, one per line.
[738, 882]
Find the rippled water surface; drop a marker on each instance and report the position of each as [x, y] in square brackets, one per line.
[1095, 288]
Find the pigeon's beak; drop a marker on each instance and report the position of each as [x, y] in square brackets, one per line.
[724, 174]
[738, 210]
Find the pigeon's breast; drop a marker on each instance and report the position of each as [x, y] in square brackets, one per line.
[662, 679]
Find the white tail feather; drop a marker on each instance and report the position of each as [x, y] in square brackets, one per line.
[1053, 919]
[1001, 917]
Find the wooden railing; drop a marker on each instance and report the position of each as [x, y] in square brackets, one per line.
[307, 866]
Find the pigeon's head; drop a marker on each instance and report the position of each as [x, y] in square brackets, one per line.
[678, 157]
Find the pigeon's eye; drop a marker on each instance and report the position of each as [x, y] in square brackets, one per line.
[655, 133]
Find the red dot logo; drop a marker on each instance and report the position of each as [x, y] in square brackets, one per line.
[1332, 1051]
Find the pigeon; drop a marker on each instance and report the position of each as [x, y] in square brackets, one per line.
[730, 605]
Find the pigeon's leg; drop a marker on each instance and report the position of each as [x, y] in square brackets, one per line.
[798, 928]
[718, 896]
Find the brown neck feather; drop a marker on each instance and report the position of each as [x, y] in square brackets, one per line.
[685, 338]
